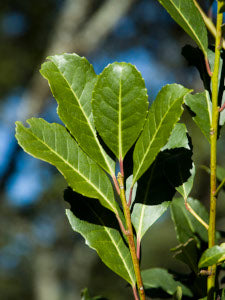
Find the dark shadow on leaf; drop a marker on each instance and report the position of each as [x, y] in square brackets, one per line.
[195, 57]
[170, 169]
[90, 210]
[157, 293]
[177, 166]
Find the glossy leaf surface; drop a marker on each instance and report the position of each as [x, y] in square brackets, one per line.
[185, 13]
[161, 278]
[101, 234]
[162, 117]
[212, 256]
[72, 79]
[52, 143]
[178, 138]
[119, 106]
[201, 105]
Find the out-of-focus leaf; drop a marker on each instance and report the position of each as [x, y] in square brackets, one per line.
[220, 173]
[101, 232]
[119, 106]
[143, 216]
[201, 105]
[86, 296]
[160, 278]
[186, 187]
[178, 294]
[72, 79]
[163, 115]
[178, 138]
[128, 187]
[222, 9]
[185, 13]
[212, 256]
[52, 143]
[186, 225]
[187, 253]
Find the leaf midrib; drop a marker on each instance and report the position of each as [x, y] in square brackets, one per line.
[115, 244]
[120, 120]
[72, 167]
[196, 36]
[153, 139]
[88, 121]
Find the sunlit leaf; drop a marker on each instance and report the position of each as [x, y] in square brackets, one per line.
[186, 187]
[178, 138]
[52, 143]
[201, 105]
[128, 187]
[101, 232]
[119, 106]
[162, 117]
[161, 278]
[143, 216]
[72, 79]
[212, 256]
[185, 13]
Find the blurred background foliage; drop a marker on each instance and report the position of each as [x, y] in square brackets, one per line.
[40, 257]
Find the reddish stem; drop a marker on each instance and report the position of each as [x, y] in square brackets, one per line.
[138, 248]
[208, 67]
[121, 225]
[222, 107]
[130, 196]
[116, 184]
[135, 292]
[121, 167]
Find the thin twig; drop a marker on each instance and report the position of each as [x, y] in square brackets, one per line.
[135, 292]
[208, 66]
[194, 214]
[208, 22]
[121, 225]
[220, 187]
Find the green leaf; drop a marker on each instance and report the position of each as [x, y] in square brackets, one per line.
[186, 225]
[52, 143]
[128, 187]
[162, 117]
[186, 187]
[160, 278]
[220, 173]
[72, 79]
[201, 105]
[144, 216]
[86, 296]
[212, 256]
[119, 106]
[100, 230]
[185, 13]
[178, 138]
[178, 294]
[187, 253]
